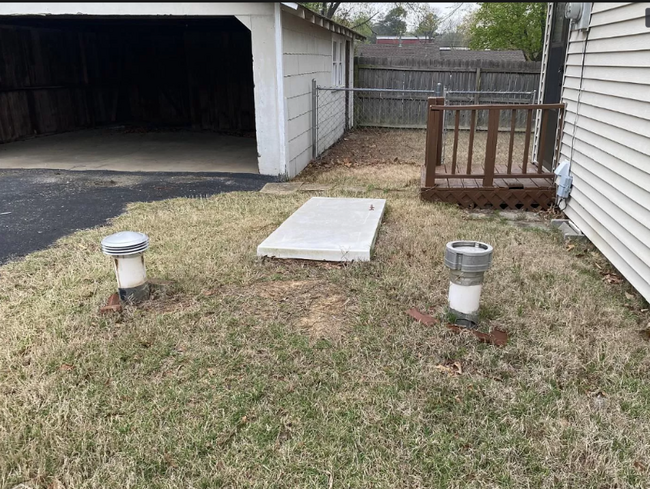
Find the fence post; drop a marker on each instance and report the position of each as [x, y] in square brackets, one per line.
[433, 148]
[314, 119]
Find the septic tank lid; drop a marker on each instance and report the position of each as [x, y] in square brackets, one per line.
[468, 256]
[125, 243]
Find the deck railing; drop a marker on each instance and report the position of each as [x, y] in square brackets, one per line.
[463, 170]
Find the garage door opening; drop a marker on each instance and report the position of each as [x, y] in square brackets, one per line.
[136, 94]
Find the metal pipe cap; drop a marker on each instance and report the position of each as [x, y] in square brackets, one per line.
[468, 256]
[125, 243]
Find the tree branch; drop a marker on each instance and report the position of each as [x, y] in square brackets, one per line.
[332, 9]
[365, 21]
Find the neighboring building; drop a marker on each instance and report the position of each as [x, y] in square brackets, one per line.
[606, 134]
[238, 67]
[402, 40]
[433, 50]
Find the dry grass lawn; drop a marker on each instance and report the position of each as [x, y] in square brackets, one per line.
[250, 373]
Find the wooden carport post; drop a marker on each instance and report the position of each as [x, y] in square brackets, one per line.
[433, 147]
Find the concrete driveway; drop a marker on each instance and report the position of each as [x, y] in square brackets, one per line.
[39, 206]
[115, 150]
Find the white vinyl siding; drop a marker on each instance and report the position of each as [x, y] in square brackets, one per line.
[608, 136]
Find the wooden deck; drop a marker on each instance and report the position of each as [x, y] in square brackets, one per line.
[499, 179]
[444, 171]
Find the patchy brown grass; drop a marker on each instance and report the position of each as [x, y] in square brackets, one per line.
[251, 373]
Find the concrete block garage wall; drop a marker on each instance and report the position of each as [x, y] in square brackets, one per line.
[59, 75]
[307, 55]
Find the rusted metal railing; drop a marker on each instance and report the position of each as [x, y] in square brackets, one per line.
[491, 170]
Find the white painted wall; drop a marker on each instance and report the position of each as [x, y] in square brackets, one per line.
[607, 136]
[263, 19]
[307, 55]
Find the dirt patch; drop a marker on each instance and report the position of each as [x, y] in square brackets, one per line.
[363, 147]
[374, 146]
[316, 307]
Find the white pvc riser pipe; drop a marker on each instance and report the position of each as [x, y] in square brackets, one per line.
[127, 248]
[131, 275]
[465, 299]
[467, 262]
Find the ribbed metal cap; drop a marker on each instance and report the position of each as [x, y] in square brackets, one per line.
[125, 243]
[468, 256]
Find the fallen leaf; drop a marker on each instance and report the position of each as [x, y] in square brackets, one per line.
[444, 368]
[612, 279]
[453, 369]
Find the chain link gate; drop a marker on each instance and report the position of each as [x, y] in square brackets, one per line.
[371, 111]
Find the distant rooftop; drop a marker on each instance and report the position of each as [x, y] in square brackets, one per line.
[433, 50]
[397, 37]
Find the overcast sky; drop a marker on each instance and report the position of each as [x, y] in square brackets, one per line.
[450, 12]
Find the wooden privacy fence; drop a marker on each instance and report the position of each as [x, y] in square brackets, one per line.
[452, 75]
[496, 181]
[393, 91]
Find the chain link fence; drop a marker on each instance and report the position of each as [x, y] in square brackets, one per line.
[371, 125]
[376, 125]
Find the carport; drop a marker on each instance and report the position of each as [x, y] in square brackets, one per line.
[136, 93]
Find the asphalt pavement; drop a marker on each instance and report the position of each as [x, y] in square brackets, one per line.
[37, 207]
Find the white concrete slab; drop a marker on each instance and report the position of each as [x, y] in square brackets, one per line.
[329, 229]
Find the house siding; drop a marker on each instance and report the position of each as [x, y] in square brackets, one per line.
[607, 136]
[307, 56]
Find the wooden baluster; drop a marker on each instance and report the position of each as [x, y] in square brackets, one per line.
[456, 128]
[513, 123]
[470, 149]
[529, 118]
[542, 141]
[491, 147]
